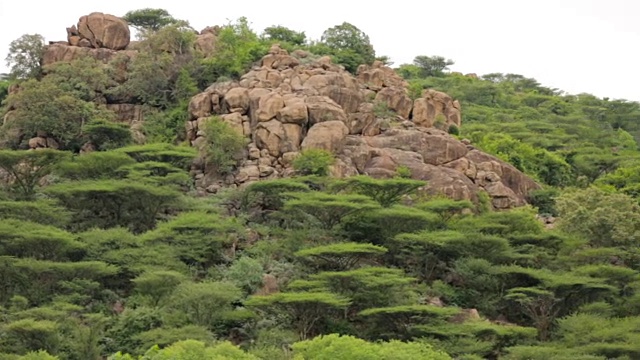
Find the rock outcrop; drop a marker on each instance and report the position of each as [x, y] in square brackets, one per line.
[101, 31]
[98, 35]
[57, 52]
[291, 102]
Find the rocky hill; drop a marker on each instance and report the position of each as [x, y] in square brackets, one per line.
[290, 102]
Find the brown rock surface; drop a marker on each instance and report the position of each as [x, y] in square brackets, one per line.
[433, 104]
[328, 135]
[127, 112]
[285, 106]
[104, 31]
[63, 52]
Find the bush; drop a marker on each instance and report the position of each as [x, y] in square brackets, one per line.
[106, 135]
[544, 200]
[314, 162]
[222, 146]
[403, 171]
[166, 126]
[453, 130]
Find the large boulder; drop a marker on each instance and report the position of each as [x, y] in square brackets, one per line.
[322, 108]
[104, 31]
[328, 135]
[434, 104]
[396, 99]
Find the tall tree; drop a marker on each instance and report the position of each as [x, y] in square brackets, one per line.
[349, 45]
[24, 58]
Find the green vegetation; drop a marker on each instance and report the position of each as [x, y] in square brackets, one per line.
[110, 253]
[222, 146]
[313, 162]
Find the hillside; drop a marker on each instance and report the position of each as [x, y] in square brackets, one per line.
[227, 194]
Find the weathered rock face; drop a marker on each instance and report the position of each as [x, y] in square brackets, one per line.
[102, 31]
[57, 52]
[127, 113]
[283, 107]
[436, 108]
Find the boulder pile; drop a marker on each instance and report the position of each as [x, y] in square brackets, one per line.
[293, 102]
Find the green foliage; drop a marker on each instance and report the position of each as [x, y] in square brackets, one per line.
[446, 209]
[108, 251]
[403, 172]
[539, 163]
[94, 165]
[166, 336]
[28, 239]
[106, 135]
[112, 203]
[431, 65]
[313, 162]
[334, 346]
[41, 211]
[191, 349]
[33, 335]
[24, 56]
[381, 225]
[266, 196]
[166, 126]
[40, 106]
[39, 355]
[385, 192]
[246, 273]
[285, 35]
[544, 200]
[85, 78]
[205, 304]
[237, 48]
[341, 256]
[604, 219]
[328, 210]
[349, 45]
[149, 19]
[222, 145]
[4, 90]
[178, 156]
[196, 238]
[157, 285]
[624, 179]
[26, 169]
[304, 308]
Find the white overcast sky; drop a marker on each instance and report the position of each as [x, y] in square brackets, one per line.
[574, 45]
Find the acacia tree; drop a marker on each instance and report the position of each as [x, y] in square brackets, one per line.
[105, 204]
[149, 19]
[386, 192]
[340, 256]
[306, 309]
[327, 209]
[27, 168]
[25, 54]
[334, 346]
[432, 65]
[544, 296]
